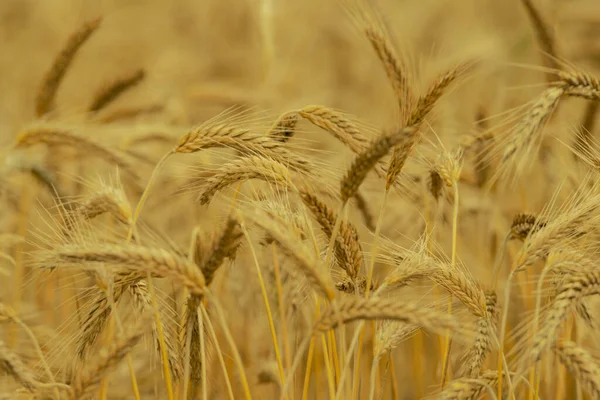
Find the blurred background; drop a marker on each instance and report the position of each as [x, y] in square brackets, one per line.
[194, 49]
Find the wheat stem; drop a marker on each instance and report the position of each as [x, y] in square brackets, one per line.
[263, 289]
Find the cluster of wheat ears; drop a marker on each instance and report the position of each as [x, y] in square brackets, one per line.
[238, 259]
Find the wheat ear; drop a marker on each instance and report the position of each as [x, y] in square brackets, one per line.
[250, 167]
[347, 246]
[111, 92]
[469, 388]
[366, 160]
[571, 292]
[581, 364]
[158, 261]
[225, 247]
[54, 137]
[337, 124]
[359, 308]
[44, 102]
[89, 377]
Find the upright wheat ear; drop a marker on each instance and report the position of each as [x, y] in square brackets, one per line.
[421, 110]
[544, 37]
[394, 68]
[44, 102]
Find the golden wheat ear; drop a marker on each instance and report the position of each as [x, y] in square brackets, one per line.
[56, 137]
[46, 95]
[348, 252]
[583, 365]
[114, 90]
[366, 160]
[89, 377]
[470, 388]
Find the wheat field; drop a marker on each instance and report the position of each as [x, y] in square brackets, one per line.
[276, 199]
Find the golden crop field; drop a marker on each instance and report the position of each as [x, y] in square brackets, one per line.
[316, 199]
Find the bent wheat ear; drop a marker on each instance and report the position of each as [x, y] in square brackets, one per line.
[108, 200]
[570, 294]
[225, 247]
[338, 125]
[359, 308]
[285, 127]
[44, 102]
[191, 327]
[55, 137]
[242, 140]
[580, 84]
[157, 261]
[365, 161]
[96, 318]
[389, 336]
[12, 365]
[469, 388]
[581, 364]
[348, 252]
[252, 167]
[523, 224]
[363, 206]
[461, 286]
[544, 37]
[563, 229]
[89, 377]
[111, 92]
